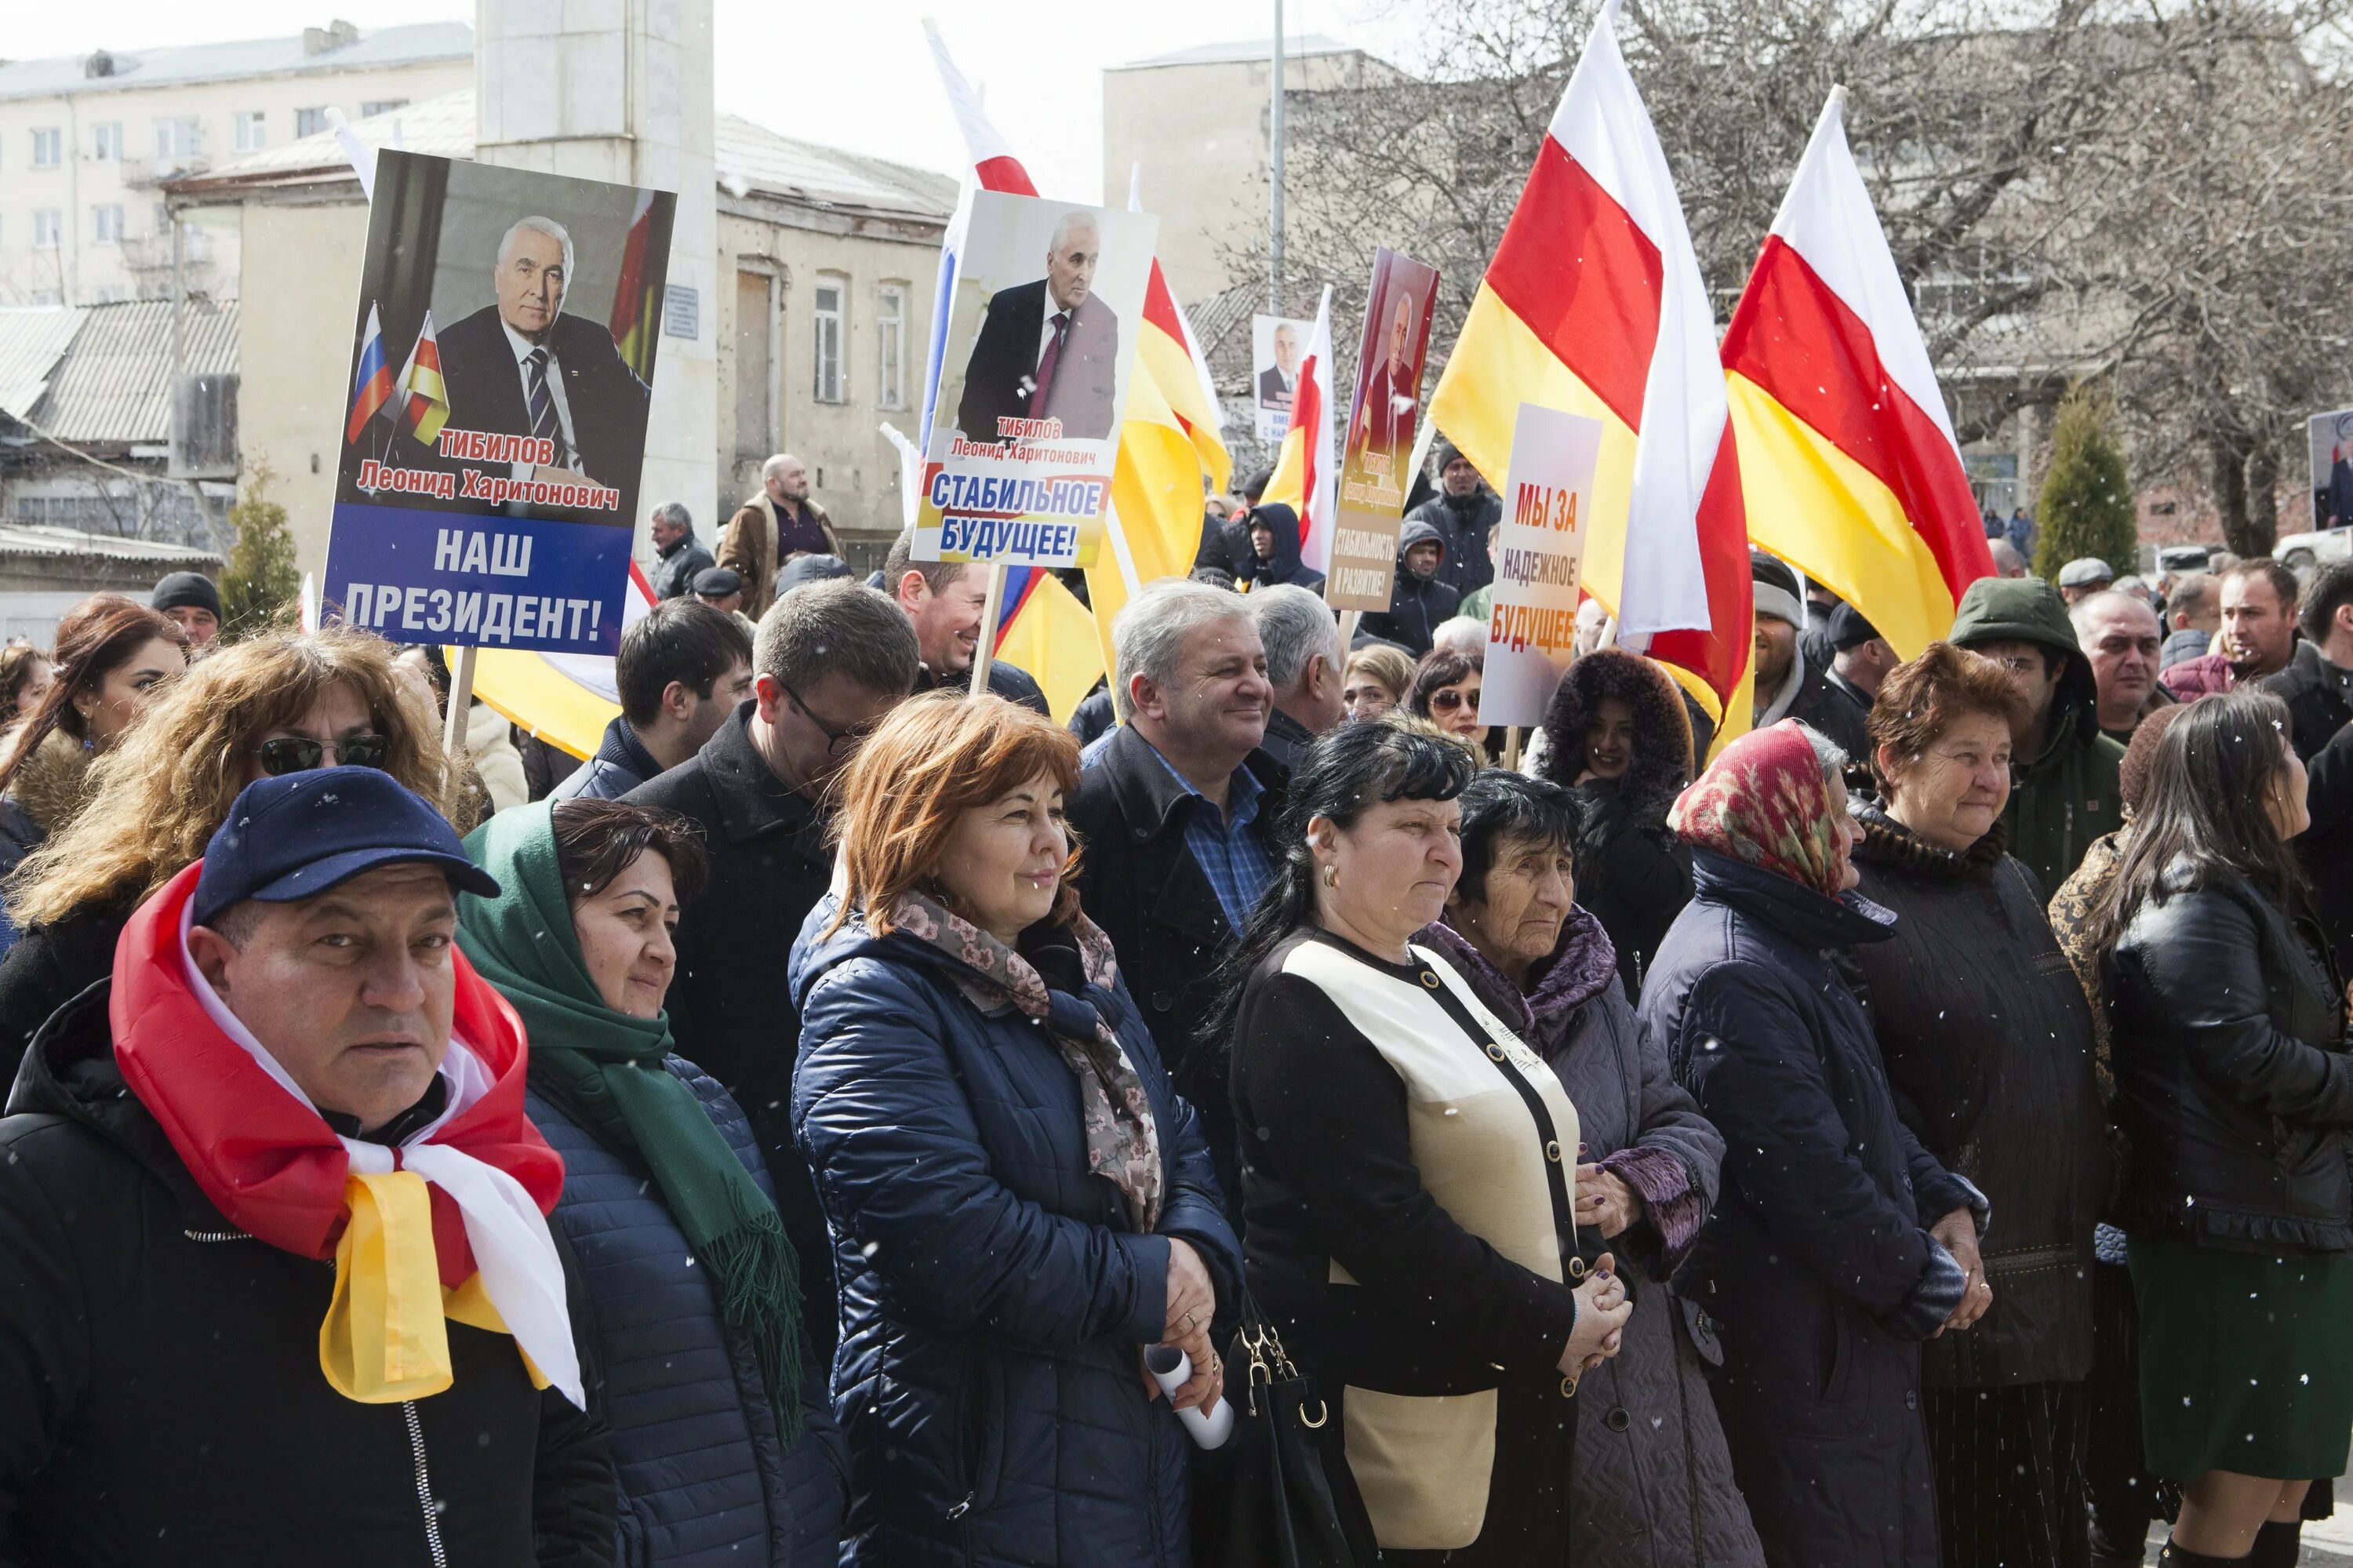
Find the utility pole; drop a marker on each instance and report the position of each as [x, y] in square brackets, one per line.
[1274, 248]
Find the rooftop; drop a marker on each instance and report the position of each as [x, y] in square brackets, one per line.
[1241, 50]
[31, 344]
[339, 47]
[19, 540]
[110, 384]
[751, 159]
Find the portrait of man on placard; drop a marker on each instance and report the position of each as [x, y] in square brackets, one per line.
[1385, 420]
[1048, 348]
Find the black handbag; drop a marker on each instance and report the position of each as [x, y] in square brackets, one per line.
[1288, 1500]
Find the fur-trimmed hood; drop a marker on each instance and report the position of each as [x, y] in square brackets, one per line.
[53, 785]
[1663, 736]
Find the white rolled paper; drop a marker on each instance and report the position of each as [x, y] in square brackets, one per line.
[1172, 1369]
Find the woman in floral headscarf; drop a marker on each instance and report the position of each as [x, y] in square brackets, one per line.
[1838, 1244]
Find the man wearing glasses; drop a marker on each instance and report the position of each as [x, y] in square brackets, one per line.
[2065, 792]
[830, 659]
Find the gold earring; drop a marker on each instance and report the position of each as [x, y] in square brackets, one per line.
[1331, 876]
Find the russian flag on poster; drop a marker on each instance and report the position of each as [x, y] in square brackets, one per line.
[1847, 455]
[372, 383]
[424, 407]
[1307, 466]
[1594, 305]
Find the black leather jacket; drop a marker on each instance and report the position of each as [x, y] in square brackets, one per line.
[2232, 1080]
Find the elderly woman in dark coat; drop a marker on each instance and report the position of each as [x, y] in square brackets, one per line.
[1988, 1045]
[1616, 735]
[1653, 1486]
[1838, 1244]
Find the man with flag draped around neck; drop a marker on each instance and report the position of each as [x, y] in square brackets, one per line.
[723, 1437]
[274, 1265]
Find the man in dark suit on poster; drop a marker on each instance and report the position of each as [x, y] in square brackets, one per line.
[1048, 349]
[520, 367]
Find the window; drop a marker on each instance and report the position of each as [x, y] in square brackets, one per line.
[175, 138]
[381, 106]
[890, 339]
[106, 224]
[105, 142]
[48, 229]
[827, 297]
[310, 121]
[49, 148]
[252, 132]
[755, 433]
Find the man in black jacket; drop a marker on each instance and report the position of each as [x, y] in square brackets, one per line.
[684, 667]
[1421, 598]
[832, 660]
[679, 557]
[1463, 512]
[1175, 808]
[2317, 684]
[183, 1379]
[1786, 686]
[944, 602]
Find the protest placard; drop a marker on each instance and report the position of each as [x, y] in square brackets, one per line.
[1377, 448]
[1547, 509]
[487, 491]
[1039, 350]
[1277, 346]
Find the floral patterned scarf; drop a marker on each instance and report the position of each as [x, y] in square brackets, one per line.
[1123, 1141]
[1764, 802]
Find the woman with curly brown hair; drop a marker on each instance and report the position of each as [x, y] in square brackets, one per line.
[274, 704]
[1616, 735]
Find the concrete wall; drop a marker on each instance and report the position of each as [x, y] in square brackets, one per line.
[83, 272]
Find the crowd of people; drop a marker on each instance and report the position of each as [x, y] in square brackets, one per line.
[1910, 1134]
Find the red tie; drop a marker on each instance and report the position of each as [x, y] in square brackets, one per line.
[1046, 366]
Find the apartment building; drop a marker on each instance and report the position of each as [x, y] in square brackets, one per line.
[86, 141]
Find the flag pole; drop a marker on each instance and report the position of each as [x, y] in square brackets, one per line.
[453, 723]
[1274, 182]
[988, 613]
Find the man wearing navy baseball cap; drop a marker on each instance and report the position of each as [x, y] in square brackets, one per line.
[274, 1221]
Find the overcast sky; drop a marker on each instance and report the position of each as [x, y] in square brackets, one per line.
[853, 73]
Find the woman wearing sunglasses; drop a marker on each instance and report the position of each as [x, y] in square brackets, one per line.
[267, 707]
[1446, 692]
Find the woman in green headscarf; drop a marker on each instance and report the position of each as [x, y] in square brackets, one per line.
[692, 1287]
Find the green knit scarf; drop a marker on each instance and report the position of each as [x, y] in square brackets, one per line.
[606, 1067]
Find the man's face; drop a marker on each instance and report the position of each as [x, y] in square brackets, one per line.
[1777, 647]
[727, 693]
[201, 624]
[1070, 265]
[2258, 631]
[1421, 559]
[1286, 349]
[947, 622]
[667, 533]
[2033, 669]
[789, 482]
[2120, 637]
[1220, 699]
[726, 603]
[1461, 478]
[531, 283]
[1400, 329]
[350, 991]
[1262, 541]
[807, 737]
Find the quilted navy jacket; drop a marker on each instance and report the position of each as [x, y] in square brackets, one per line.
[704, 1479]
[993, 1295]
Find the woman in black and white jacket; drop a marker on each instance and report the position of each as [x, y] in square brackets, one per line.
[1409, 1170]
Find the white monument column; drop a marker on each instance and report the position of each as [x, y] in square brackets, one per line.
[621, 90]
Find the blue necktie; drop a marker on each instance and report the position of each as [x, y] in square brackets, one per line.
[543, 405]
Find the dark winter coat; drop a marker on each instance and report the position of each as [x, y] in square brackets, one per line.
[620, 764]
[676, 569]
[160, 1400]
[1652, 1473]
[993, 1295]
[1988, 1043]
[731, 1008]
[1094, 718]
[1631, 872]
[1140, 883]
[2318, 694]
[704, 1477]
[1462, 522]
[2068, 796]
[1822, 707]
[2233, 1082]
[1010, 682]
[49, 966]
[1418, 606]
[2325, 850]
[1285, 567]
[1816, 1268]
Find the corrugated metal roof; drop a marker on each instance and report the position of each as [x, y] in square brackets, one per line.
[1241, 50]
[749, 158]
[30, 343]
[28, 539]
[114, 384]
[414, 44]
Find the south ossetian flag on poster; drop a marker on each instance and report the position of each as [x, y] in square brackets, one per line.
[1594, 305]
[1307, 466]
[1847, 455]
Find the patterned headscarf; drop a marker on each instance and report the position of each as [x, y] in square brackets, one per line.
[1123, 1141]
[1764, 802]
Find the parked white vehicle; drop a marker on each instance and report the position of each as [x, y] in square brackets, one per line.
[2299, 551]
